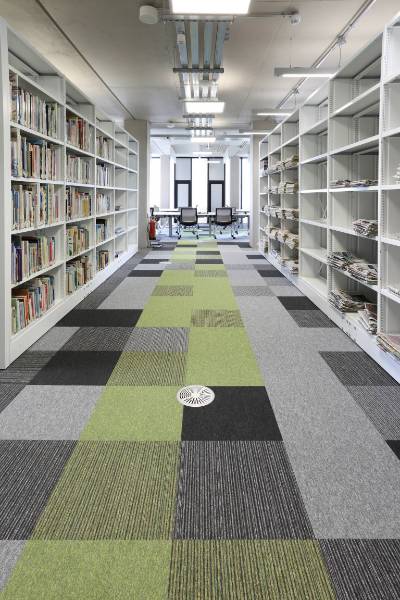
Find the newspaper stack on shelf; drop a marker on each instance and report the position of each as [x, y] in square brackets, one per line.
[396, 176]
[368, 317]
[274, 189]
[291, 162]
[395, 289]
[389, 343]
[275, 254]
[290, 213]
[364, 272]
[288, 187]
[367, 227]
[273, 232]
[347, 302]
[282, 235]
[340, 183]
[292, 241]
[363, 182]
[292, 265]
[341, 260]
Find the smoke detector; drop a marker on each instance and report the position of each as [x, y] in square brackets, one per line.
[295, 19]
[148, 15]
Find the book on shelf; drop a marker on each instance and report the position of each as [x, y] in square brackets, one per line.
[104, 147]
[77, 239]
[30, 255]
[103, 176]
[78, 203]
[103, 203]
[79, 132]
[31, 301]
[32, 111]
[30, 209]
[103, 259]
[32, 158]
[79, 169]
[78, 273]
[102, 232]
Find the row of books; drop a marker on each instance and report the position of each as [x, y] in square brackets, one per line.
[104, 176]
[103, 203]
[103, 259]
[102, 232]
[79, 170]
[79, 133]
[31, 111]
[32, 301]
[32, 158]
[78, 273]
[78, 204]
[77, 239]
[104, 147]
[30, 255]
[33, 209]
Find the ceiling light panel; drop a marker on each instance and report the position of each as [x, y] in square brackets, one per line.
[203, 140]
[204, 107]
[210, 7]
[298, 72]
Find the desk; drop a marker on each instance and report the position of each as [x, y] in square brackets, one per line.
[174, 214]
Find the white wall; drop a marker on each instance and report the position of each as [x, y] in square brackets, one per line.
[141, 131]
[255, 190]
[235, 181]
[165, 181]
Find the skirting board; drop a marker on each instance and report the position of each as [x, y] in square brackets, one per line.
[28, 336]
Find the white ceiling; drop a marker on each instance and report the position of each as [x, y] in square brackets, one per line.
[135, 61]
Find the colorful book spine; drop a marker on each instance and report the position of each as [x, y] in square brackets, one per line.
[78, 273]
[31, 301]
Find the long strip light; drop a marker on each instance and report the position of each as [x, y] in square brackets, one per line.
[204, 107]
[274, 112]
[298, 72]
[203, 140]
[203, 153]
[210, 7]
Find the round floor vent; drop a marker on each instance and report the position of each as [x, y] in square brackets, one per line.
[195, 396]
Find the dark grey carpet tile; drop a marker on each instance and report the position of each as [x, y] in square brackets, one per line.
[201, 253]
[8, 391]
[146, 273]
[264, 267]
[29, 470]
[208, 261]
[243, 245]
[310, 318]
[382, 406]
[357, 368]
[173, 290]
[395, 446]
[101, 318]
[256, 256]
[239, 267]
[269, 272]
[154, 339]
[363, 569]
[238, 490]
[252, 290]
[25, 367]
[180, 246]
[98, 338]
[216, 318]
[210, 273]
[153, 261]
[237, 413]
[78, 368]
[297, 303]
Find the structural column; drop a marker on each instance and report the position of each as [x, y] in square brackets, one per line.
[141, 131]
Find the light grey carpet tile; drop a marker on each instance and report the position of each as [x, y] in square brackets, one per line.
[363, 569]
[239, 267]
[216, 318]
[173, 290]
[54, 339]
[131, 294]
[311, 318]
[50, 412]
[179, 266]
[9, 554]
[238, 490]
[251, 290]
[246, 278]
[153, 339]
[279, 281]
[148, 267]
[285, 290]
[98, 338]
[382, 405]
[357, 368]
[25, 367]
[8, 391]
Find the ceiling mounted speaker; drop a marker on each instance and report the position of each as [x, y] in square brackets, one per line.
[148, 15]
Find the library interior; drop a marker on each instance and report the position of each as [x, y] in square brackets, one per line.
[200, 300]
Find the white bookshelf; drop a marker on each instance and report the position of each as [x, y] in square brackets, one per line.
[348, 129]
[110, 156]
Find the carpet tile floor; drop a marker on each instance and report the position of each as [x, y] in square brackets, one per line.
[286, 487]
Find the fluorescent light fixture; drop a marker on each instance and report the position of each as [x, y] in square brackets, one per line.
[203, 153]
[203, 140]
[298, 72]
[210, 7]
[274, 112]
[204, 107]
[255, 132]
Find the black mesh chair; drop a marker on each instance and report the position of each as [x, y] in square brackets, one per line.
[188, 220]
[224, 219]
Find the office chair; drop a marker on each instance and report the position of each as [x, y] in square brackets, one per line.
[224, 219]
[188, 220]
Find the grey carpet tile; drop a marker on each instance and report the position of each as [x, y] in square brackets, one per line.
[173, 290]
[311, 318]
[180, 266]
[29, 471]
[210, 273]
[251, 290]
[54, 339]
[357, 368]
[52, 412]
[130, 294]
[9, 554]
[277, 281]
[8, 391]
[153, 339]
[98, 338]
[149, 267]
[101, 318]
[238, 490]
[301, 303]
[25, 367]
[285, 290]
[238, 267]
[246, 278]
[382, 405]
[394, 445]
[139, 274]
[216, 318]
[78, 368]
[363, 569]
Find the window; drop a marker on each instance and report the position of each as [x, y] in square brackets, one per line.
[155, 181]
[245, 189]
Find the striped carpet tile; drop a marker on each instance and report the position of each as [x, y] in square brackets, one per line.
[381, 404]
[24, 369]
[364, 569]
[238, 490]
[158, 339]
[149, 368]
[311, 318]
[216, 318]
[357, 368]
[98, 338]
[8, 391]
[114, 490]
[251, 290]
[210, 273]
[248, 569]
[173, 290]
